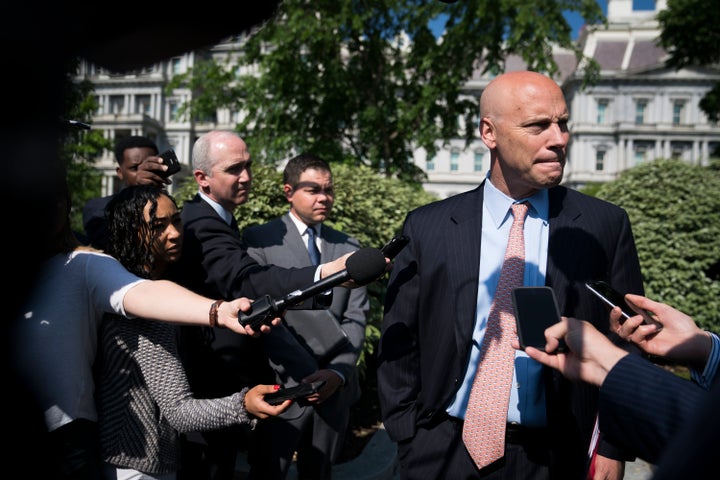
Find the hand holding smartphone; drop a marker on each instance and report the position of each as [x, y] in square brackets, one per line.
[535, 310]
[611, 298]
[298, 391]
[172, 162]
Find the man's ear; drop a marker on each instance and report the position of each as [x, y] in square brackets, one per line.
[119, 173]
[487, 132]
[200, 178]
[288, 191]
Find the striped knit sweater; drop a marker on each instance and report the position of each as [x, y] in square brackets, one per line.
[144, 399]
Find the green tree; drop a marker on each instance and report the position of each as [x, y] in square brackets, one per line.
[690, 34]
[80, 147]
[368, 82]
[674, 208]
[368, 206]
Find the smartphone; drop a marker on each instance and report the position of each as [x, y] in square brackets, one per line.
[535, 310]
[172, 162]
[393, 247]
[611, 297]
[301, 390]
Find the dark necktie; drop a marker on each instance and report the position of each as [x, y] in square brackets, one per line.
[312, 247]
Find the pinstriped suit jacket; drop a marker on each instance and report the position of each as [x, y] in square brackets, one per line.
[431, 300]
[643, 406]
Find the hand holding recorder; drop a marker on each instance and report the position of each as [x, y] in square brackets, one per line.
[301, 390]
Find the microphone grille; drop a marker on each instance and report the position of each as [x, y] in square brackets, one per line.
[365, 265]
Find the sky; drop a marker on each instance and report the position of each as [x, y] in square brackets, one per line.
[576, 21]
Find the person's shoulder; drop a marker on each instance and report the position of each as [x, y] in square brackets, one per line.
[96, 204]
[255, 233]
[271, 224]
[90, 254]
[194, 207]
[193, 202]
[582, 200]
[333, 235]
[460, 201]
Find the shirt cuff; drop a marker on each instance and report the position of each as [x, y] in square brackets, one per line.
[342, 377]
[705, 378]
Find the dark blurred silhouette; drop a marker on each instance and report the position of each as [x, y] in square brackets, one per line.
[38, 45]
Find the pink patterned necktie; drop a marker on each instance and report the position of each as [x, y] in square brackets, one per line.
[486, 414]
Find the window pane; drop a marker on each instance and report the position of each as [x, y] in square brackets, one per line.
[600, 160]
[454, 158]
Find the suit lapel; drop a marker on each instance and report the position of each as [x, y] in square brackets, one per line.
[463, 254]
[561, 244]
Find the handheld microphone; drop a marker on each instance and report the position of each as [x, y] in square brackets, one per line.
[362, 267]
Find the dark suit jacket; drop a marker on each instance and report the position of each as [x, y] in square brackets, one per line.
[215, 263]
[692, 452]
[643, 407]
[431, 300]
[279, 242]
[95, 223]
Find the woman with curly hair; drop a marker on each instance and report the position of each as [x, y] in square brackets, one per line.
[144, 400]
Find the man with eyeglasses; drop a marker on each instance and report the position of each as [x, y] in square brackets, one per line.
[214, 260]
[329, 341]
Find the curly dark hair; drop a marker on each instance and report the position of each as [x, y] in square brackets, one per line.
[130, 237]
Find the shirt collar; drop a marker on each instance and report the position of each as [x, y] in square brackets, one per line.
[302, 227]
[497, 204]
[224, 214]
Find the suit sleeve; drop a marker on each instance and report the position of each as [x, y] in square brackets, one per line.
[625, 276]
[353, 321]
[229, 268]
[643, 407]
[159, 361]
[398, 373]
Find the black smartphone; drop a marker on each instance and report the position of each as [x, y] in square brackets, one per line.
[291, 393]
[172, 162]
[610, 297]
[535, 310]
[393, 247]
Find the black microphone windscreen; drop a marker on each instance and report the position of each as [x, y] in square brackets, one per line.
[365, 265]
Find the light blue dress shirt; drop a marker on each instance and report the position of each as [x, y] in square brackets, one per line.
[527, 395]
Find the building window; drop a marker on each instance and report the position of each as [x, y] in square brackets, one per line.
[98, 104]
[174, 111]
[454, 158]
[678, 112]
[117, 104]
[430, 165]
[639, 156]
[602, 105]
[477, 162]
[640, 107]
[142, 104]
[175, 65]
[599, 160]
[681, 150]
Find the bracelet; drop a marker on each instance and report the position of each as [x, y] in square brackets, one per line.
[213, 315]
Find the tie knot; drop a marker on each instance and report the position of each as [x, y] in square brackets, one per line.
[519, 210]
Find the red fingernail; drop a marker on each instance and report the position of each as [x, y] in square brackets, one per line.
[276, 387]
